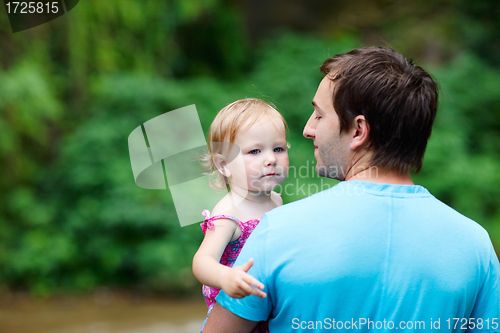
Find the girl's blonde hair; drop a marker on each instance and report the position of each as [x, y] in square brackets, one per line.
[227, 123]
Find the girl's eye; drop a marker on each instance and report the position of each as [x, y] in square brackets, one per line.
[317, 117]
[254, 152]
[279, 149]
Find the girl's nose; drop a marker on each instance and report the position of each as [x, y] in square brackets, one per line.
[270, 160]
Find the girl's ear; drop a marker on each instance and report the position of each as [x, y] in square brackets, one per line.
[220, 163]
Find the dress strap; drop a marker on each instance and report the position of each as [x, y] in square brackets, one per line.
[208, 223]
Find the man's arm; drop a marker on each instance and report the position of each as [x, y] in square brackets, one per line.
[222, 320]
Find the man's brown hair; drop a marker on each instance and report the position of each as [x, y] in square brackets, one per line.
[398, 99]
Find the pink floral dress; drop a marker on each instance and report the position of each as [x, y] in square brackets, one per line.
[228, 257]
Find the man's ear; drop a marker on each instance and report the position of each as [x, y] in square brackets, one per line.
[360, 131]
[220, 163]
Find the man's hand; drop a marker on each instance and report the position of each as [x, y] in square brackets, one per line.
[237, 283]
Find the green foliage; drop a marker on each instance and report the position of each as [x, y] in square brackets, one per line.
[30, 106]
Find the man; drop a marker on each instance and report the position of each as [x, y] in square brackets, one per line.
[375, 252]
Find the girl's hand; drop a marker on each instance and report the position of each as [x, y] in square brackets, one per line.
[237, 283]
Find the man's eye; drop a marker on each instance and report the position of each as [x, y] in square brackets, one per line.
[254, 151]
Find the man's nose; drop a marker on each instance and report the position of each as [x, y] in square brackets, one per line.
[308, 132]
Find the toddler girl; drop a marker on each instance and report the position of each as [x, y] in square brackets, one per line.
[247, 153]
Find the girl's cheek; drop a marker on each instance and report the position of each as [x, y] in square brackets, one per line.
[253, 170]
[285, 160]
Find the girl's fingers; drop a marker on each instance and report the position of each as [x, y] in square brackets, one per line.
[246, 266]
[256, 292]
[254, 282]
[251, 281]
[246, 289]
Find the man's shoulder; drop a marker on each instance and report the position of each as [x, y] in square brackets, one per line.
[459, 223]
[344, 198]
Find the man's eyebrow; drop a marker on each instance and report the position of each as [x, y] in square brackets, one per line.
[316, 105]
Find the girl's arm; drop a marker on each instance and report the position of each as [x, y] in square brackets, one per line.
[235, 282]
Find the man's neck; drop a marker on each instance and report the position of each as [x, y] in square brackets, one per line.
[362, 169]
[380, 175]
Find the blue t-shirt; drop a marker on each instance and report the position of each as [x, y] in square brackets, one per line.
[365, 256]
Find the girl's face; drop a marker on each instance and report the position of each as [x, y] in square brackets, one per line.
[264, 162]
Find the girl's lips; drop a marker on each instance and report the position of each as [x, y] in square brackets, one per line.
[270, 175]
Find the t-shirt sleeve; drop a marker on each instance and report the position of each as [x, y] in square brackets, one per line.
[486, 311]
[252, 307]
